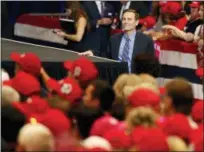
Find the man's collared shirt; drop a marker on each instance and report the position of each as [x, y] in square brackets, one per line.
[99, 4]
[124, 7]
[122, 44]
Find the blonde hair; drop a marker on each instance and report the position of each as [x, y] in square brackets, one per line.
[4, 75]
[9, 95]
[36, 137]
[146, 78]
[125, 81]
[128, 90]
[144, 116]
[176, 144]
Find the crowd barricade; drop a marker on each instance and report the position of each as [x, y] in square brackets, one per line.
[179, 59]
[38, 27]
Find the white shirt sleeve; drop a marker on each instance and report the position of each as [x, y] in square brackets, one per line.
[196, 33]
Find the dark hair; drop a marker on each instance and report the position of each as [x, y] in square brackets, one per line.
[146, 63]
[132, 11]
[77, 11]
[104, 92]
[181, 93]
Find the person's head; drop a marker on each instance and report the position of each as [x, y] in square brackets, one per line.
[147, 78]
[143, 96]
[100, 95]
[9, 95]
[141, 116]
[146, 63]
[65, 93]
[201, 11]
[94, 142]
[83, 70]
[147, 23]
[194, 7]
[118, 138]
[36, 109]
[179, 96]
[27, 62]
[4, 75]
[35, 137]
[101, 125]
[75, 11]
[125, 82]
[128, 90]
[175, 143]
[177, 124]
[149, 139]
[130, 20]
[26, 84]
[171, 11]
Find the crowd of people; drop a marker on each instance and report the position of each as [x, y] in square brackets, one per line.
[81, 112]
[108, 27]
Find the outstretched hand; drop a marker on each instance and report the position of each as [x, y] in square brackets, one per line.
[86, 53]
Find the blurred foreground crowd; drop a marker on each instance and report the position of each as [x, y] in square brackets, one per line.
[84, 113]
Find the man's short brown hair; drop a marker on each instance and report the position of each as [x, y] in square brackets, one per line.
[132, 11]
[181, 92]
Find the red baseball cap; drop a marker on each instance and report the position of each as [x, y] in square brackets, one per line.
[118, 138]
[194, 5]
[197, 112]
[24, 83]
[55, 120]
[148, 21]
[36, 108]
[82, 69]
[29, 62]
[66, 88]
[172, 8]
[34, 104]
[177, 124]
[103, 124]
[149, 139]
[200, 72]
[144, 96]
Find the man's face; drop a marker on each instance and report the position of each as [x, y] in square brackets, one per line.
[88, 99]
[194, 12]
[129, 22]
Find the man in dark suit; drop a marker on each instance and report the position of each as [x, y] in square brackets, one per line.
[125, 46]
[100, 16]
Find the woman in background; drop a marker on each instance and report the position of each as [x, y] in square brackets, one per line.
[78, 41]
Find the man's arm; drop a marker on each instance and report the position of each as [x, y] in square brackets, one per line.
[150, 47]
[95, 22]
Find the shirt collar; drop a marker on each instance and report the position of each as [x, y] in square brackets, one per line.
[131, 36]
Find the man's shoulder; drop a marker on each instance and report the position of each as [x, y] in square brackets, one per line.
[116, 36]
[144, 37]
